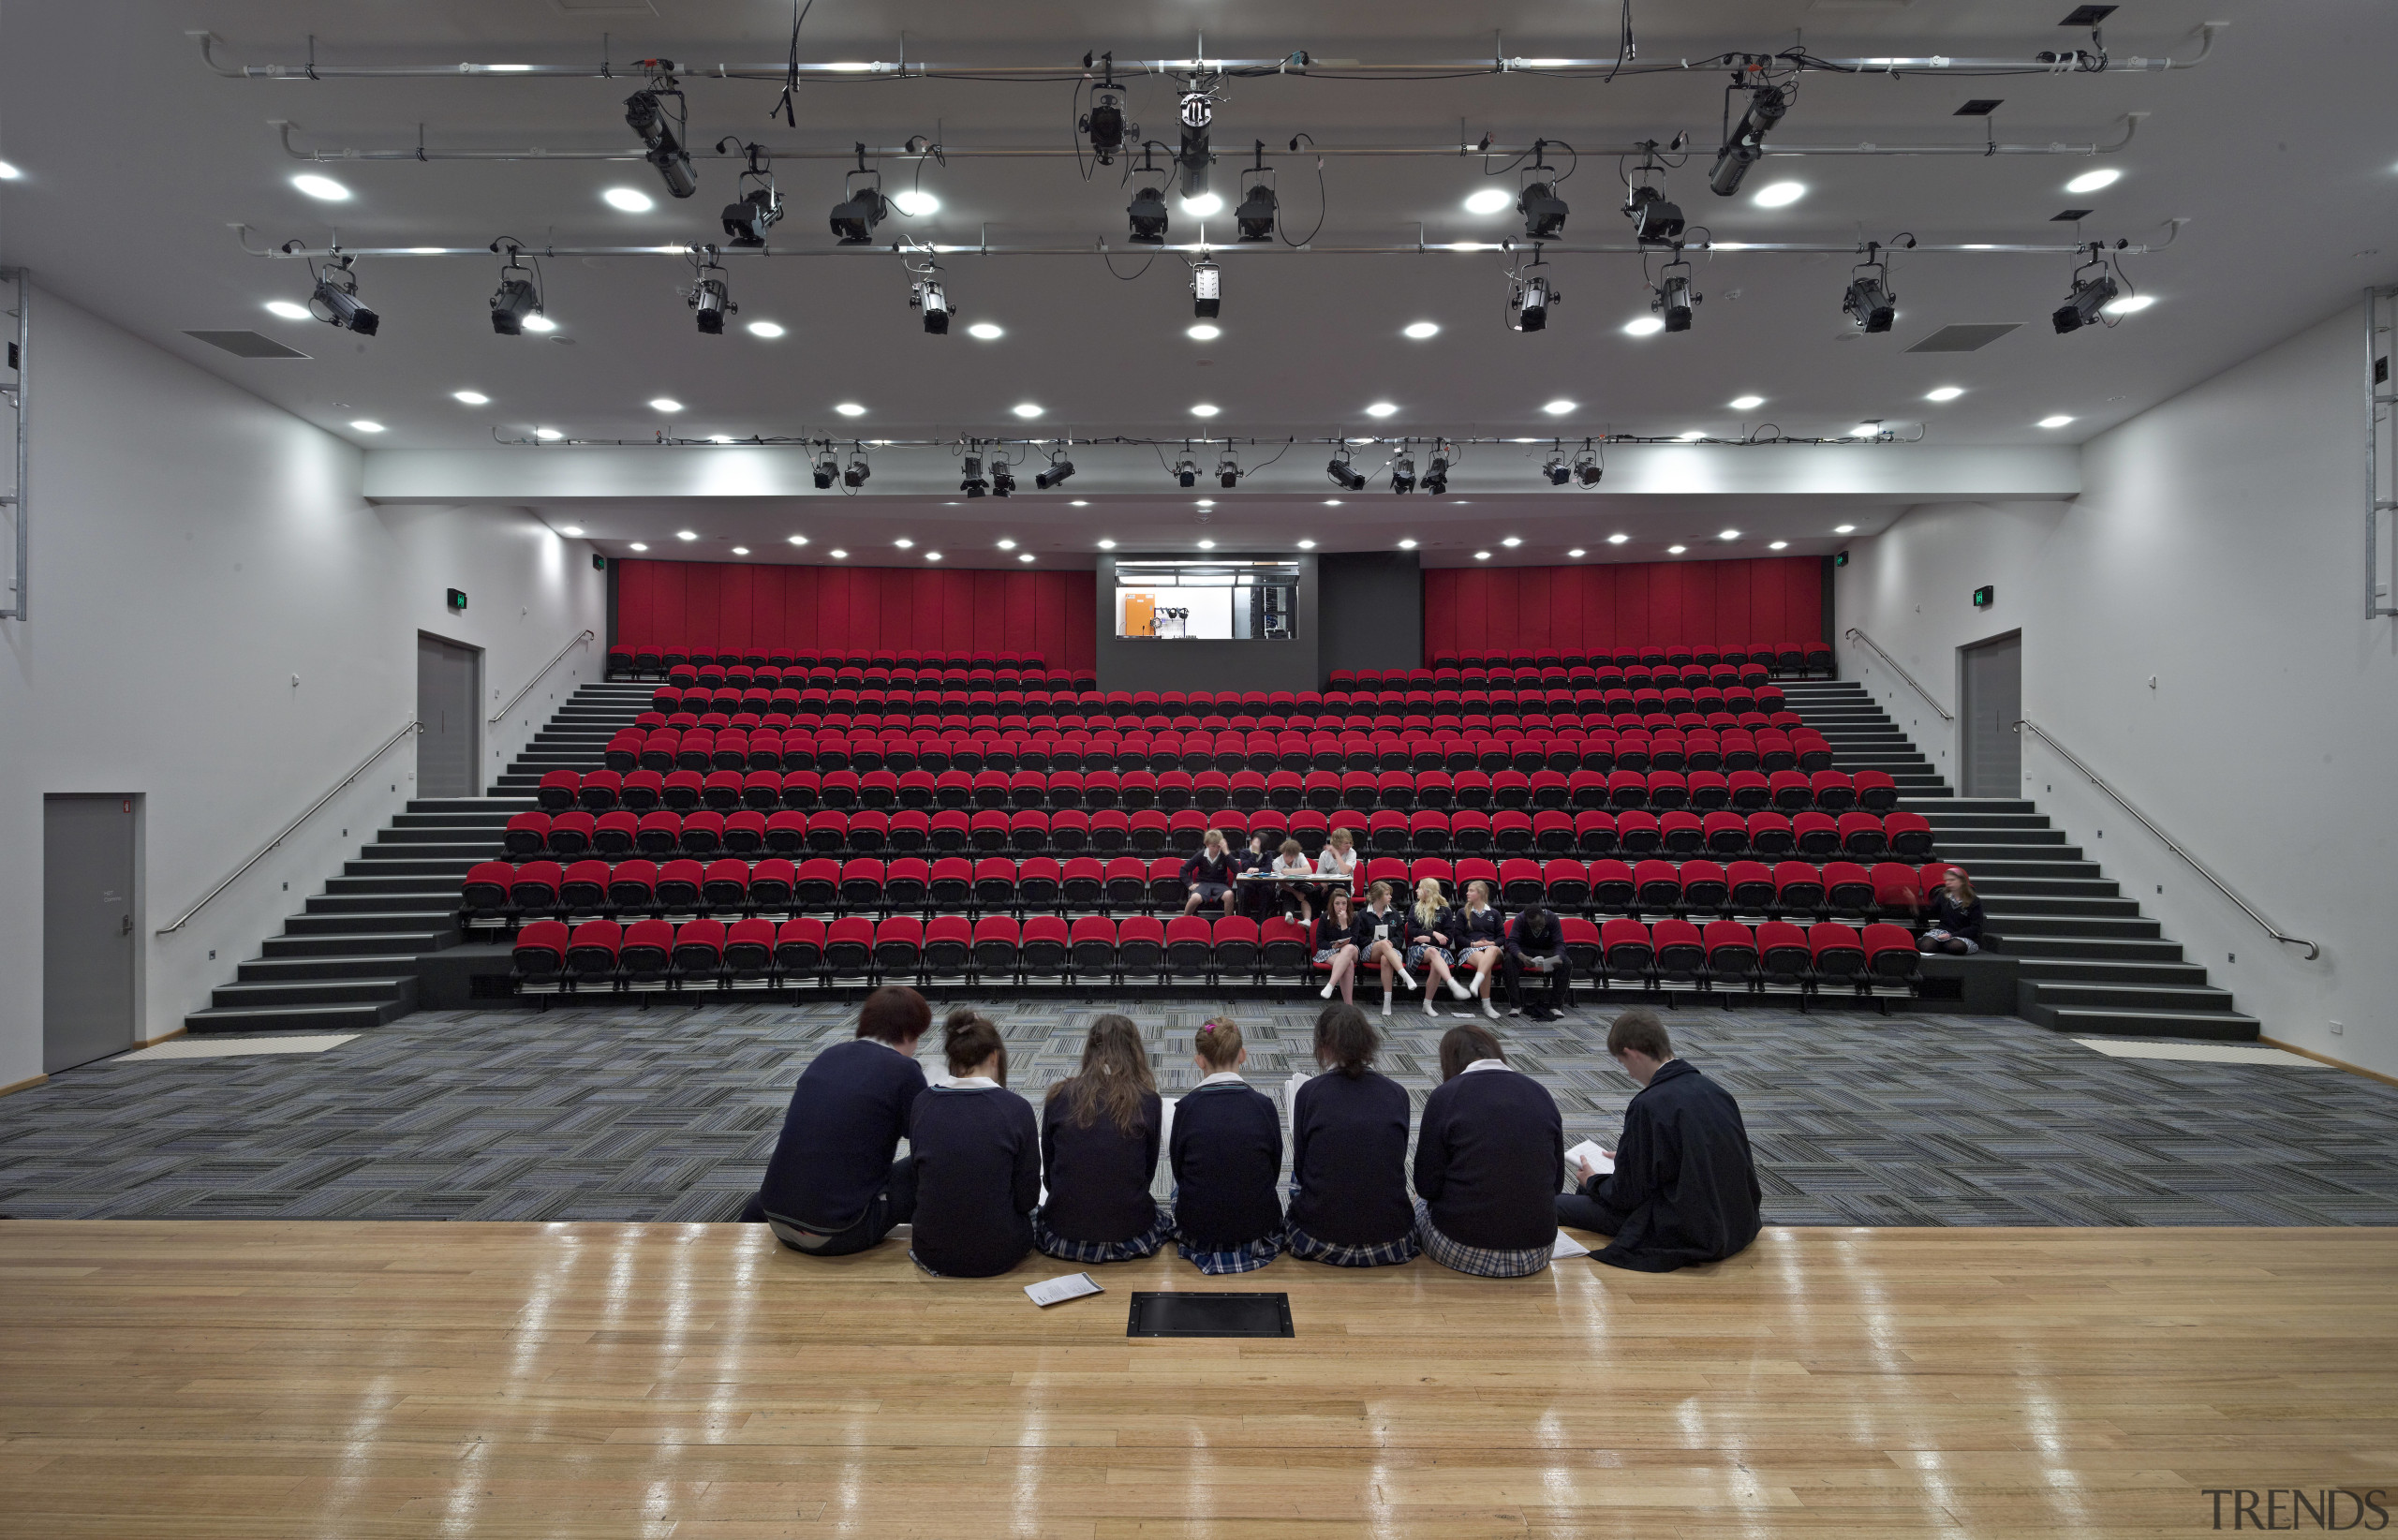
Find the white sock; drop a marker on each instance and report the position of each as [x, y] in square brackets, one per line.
[1488, 1011]
[1427, 1009]
[1385, 1002]
[1326, 990]
[1405, 979]
[1459, 990]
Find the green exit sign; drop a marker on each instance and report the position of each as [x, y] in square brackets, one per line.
[457, 598]
[1984, 595]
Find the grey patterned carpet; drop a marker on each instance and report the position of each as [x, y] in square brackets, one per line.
[670, 1114]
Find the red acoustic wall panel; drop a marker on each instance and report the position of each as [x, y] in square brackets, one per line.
[1575, 609]
[731, 605]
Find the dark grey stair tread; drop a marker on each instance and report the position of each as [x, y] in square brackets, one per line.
[358, 991]
[332, 1018]
[2221, 1027]
[2016, 909]
[353, 944]
[373, 965]
[372, 922]
[2092, 947]
[2132, 927]
[433, 901]
[2177, 998]
[2167, 975]
[442, 883]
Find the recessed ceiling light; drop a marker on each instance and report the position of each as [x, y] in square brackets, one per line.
[1482, 555]
[1577, 551]
[1677, 550]
[1080, 502]
[472, 398]
[1778, 545]
[799, 539]
[1407, 545]
[1617, 540]
[1205, 409]
[719, 438]
[1381, 408]
[1643, 325]
[1559, 407]
[1511, 541]
[765, 329]
[1207, 203]
[1420, 330]
[288, 309]
[916, 202]
[1203, 331]
[986, 331]
[1776, 195]
[366, 424]
[8, 173]
[508, 69]
[687, 534]
[1730, 534]
[665, 404]
[1944, 392]
[740, 550]
[850, 408]
[2129, 304]
[1307, 545]
[546, 433]
[1745, 403]
[1023, 555]
[1693, 436]
[1843, 529]
[539, 323]
[932, 555]
[1206, 502]
[904, 543]
[2105, 176]
[2058, 420]
[1207, 545]
[1007, 545]
[321, 186]
[630, 200]
[1488, 201]
[1027, 409]
[837, 554]
[570, 530]
[1866, 430]
[1107, 545]
[639, 546]
[1332, 502]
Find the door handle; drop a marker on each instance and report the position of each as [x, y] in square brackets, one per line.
[124, 925]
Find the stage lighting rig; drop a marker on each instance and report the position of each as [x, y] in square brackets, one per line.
[1544, 212]
[1197, 113]
[1344, 474]
[861, 208]
[711, 294]
[826, 471]
[1060, 469]
[1002, 478]
[1402, 472]
[747, 218]
[661, 128]
[2094, 288]
[1228, 472]
[1744, 145]
[1147, 211]
[1655, 220]
[1436, 469]
[1186, 471]
[1869, 303]
[1104, 124]
[927, 294]
[1587, 468]
[973, 484]
[1673, 298]
[1533, 294]
[855, 476]
[519, 293]
[1206, 288]
[1556, 468]
[336, 300]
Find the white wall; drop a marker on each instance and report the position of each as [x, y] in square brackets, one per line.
[2218, 545]
[193, 550]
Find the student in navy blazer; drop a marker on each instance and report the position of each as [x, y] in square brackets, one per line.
[1227, 1149]
[1488, 1161]
[977, 1155]
[1099, 1143]
[1349, 1204]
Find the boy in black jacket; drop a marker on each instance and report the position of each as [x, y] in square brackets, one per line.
[1536, 945]
[832, 1187]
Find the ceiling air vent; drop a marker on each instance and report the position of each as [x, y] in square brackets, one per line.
[1968, 338]
[247, 344]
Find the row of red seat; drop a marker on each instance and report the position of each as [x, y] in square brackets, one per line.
[1443, 681]
[650, 654]
[1288, 790]
[1090, 707]
[694, 746]
[497, 894]
[1787, 654]
[1072, 831]
[756, 954]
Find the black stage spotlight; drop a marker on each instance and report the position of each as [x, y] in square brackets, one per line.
[1228, 472]
[1745, 145]
[711, 297]
[1198, 111]
[1586, 469]
[1655, 222]
[1870, 304]
[1104, 125]
[860, 209]
[1674, 299]
[1257, 212]
[928, 294]
[827, 471]
[1436, 470]
[2090, 296]
[1002, 479]
[1528, 304]
[973, 486]
[1059, 469]
[1344, 474]
[1557, 470]
[858, 472]
[745, 223]
[1402, 473]
[335, 300]
[1186, 472]
[516, 298]
[1148, 213]
[1544, 212]
[1207, 289]
[647, 114]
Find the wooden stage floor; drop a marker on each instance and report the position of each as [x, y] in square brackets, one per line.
[293, 1379]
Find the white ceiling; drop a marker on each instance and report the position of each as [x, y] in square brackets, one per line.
[2279, 151]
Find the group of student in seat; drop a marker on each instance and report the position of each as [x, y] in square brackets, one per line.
[1489, 1156]
[1463, 946]
[1212, 876]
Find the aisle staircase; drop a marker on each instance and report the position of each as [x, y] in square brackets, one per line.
[349, 959]
[2092, 963]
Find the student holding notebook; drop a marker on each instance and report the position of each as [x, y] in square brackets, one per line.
[1099, 1143]
[1227, 1149]
[1349, 1204]
[977, 1155]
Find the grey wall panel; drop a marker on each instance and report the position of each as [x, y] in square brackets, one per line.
[1371, 612]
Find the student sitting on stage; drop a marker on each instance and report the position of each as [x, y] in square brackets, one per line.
[1481, 938]
[1536, 946]
[1685, 1187]
[1349, 1204]
[1209, 874]
[1292, 861]
[1381, 936]
[832, 1187]
[1227, 1149]
[1488, 1160]
[1099, 1143]
[978, 1159]
[1431, 942]
[1336, 944]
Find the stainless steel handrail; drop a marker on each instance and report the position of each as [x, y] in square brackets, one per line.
[1855, 635]
[587, 636]
[2313, 949]
[363, 766]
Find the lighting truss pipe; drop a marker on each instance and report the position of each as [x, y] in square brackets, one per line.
[1296, 64]
[918, 151]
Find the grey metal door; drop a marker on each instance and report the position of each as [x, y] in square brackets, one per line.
[448, 702]
[88, 929]
[1992, 673]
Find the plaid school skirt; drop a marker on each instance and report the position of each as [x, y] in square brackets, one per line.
[1160, 1230]
[1245, 1258]
[1480, 1261]
[1388, 1254]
